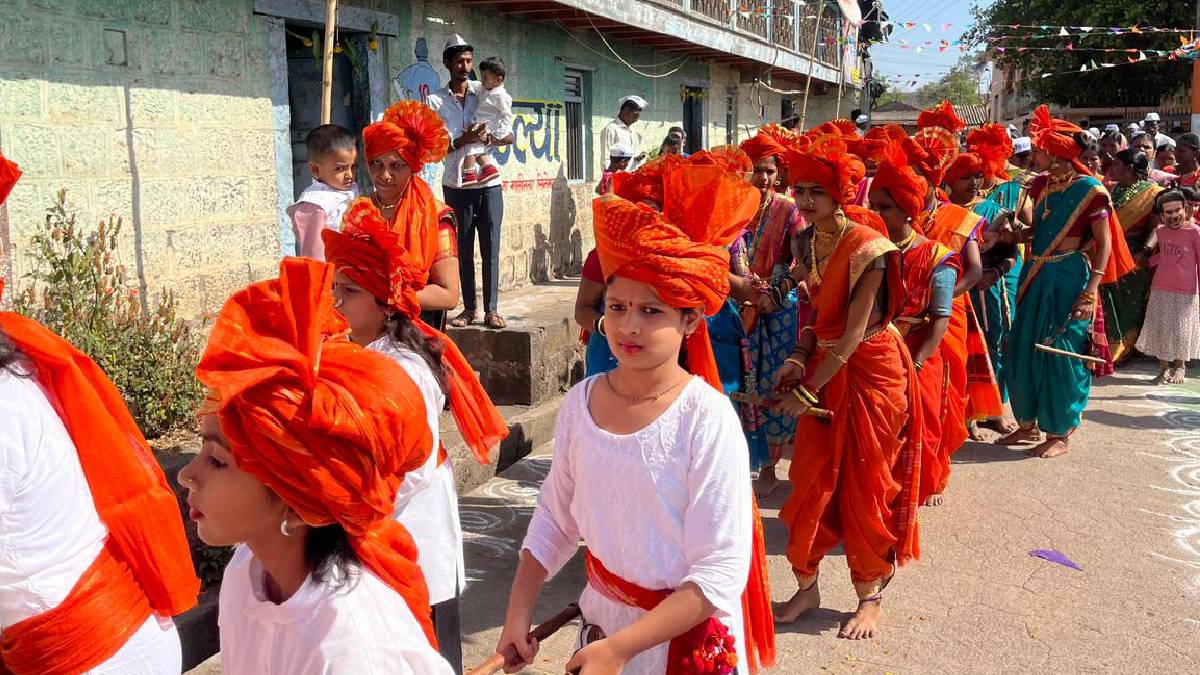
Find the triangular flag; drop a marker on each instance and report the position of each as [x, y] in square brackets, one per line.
[1135, 29]
[1063, 31]
[1086, 29]
[942, 49]
[927, 27]
[1070, 47]
[1141, 56]
[919, 49]
[947, 26]
[909, 25]
[1083, 68]
[1047, 74]
[1000, 49]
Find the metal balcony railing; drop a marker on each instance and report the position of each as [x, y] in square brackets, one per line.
[779, 22]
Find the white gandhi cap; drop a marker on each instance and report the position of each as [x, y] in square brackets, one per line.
[1152, 117]
[634, 99]
[456, 40]
[1022, 144]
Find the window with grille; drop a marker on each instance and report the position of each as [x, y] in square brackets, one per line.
[573, 100]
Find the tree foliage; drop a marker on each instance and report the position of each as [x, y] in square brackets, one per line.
[1139, 84]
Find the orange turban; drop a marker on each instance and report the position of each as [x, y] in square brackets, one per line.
[418, 134]
[965, 164]
[770, 141]
[873, 146]
[843, 129]
[329, 426]
[412, 129]
[932, 151]
[646, 183]
[9, 173]
[370, 253]
[908, 189]
[828, 163]
[994, 146]
[942, 115]
[681, 251]
[1056, 137]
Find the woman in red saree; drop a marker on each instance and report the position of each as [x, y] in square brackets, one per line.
[409, 136]
[854, 477]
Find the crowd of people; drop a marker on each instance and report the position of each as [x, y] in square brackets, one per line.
[864, 299]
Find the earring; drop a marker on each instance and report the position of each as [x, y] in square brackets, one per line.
[337, 303]
[283, 528]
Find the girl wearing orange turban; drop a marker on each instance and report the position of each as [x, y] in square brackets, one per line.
[854, 478]
[769, 303]
[1076, 246]
[409, 136]
[931, 270]
[675, 559]
[95, 560]
[306, 439]
[375, 287]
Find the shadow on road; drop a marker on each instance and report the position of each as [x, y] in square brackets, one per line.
[974, 452]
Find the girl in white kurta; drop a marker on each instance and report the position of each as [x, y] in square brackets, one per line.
[651, 469]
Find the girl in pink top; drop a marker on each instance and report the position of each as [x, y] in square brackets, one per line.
[1171, 332]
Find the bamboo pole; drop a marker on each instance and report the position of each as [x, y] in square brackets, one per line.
[812, 60]
[327, 66]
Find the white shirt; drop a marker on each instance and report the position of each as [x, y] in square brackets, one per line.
[427, 503]
[50, 533]
[333, 202]
[495, 110]
[615, 132]
[457, 117]
[356, 626]
[660, 507]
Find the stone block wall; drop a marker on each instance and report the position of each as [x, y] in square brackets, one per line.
[157, 111]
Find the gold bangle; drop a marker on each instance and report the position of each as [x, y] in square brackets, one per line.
[809, 397]
[838, 356]
[794, 361]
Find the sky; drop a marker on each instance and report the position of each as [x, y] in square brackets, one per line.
[903, 66]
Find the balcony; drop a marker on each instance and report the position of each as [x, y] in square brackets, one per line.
[776, 33]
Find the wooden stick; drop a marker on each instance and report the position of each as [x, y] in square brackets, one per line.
[541, 632]
[1071, 355]
[327, 72]
[764, 402]
[812, 61]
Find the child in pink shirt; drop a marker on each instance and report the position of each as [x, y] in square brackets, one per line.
[332, 151]
[1171, 332]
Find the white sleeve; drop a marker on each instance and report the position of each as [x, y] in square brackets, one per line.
[553, 535]
[504, 125]
[718, 531]
[608, 138]
[417, 480]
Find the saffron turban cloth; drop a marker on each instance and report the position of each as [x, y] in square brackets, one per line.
[145, 565]
[329, 426]
[680, 252]
[9, 173]
[1056, 137]
[873, 146]
[932, 151]
[941, 115]
[370, 253]
[828, 163]
[906, 187]
[415, 131]
[994, 146]
[646, 183]
[771, 140]
[966, 164]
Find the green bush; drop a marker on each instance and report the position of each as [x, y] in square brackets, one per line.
[78, 291]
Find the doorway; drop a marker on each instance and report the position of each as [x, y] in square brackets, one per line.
[693, 118]
[349, 104]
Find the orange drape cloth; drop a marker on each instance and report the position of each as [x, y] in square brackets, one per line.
[329, 426]
[370, 252]
[920, 262]
[855, 478]
[971, 376]
[146, 555]
[9, 173]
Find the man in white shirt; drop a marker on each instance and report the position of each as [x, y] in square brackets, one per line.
[479, 207]
[1150, 126]
[620, 130]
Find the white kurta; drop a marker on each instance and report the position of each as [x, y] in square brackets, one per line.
[660, 507]
[50, 533]
[427, 503]
[358, 626]
[616, 132]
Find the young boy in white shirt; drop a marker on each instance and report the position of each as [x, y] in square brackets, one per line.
[332, 152]
[494, 111]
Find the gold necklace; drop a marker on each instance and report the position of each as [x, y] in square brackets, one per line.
[641, 399]
[382, 206]
[904, 243]
[815, 272]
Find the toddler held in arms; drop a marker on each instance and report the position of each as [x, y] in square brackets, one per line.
[495, 113]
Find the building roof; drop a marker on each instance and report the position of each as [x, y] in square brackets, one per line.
[896, 106]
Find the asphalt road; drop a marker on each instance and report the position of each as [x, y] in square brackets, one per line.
[1124, 505]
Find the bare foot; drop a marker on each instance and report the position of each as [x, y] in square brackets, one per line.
[767, 482]
[973, 431]
[1159, 378]
[861, 626]
[999, 425]
[803, 601]
[1176, 376]
[935, 500]
[1020, 436]
[1050, 448]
